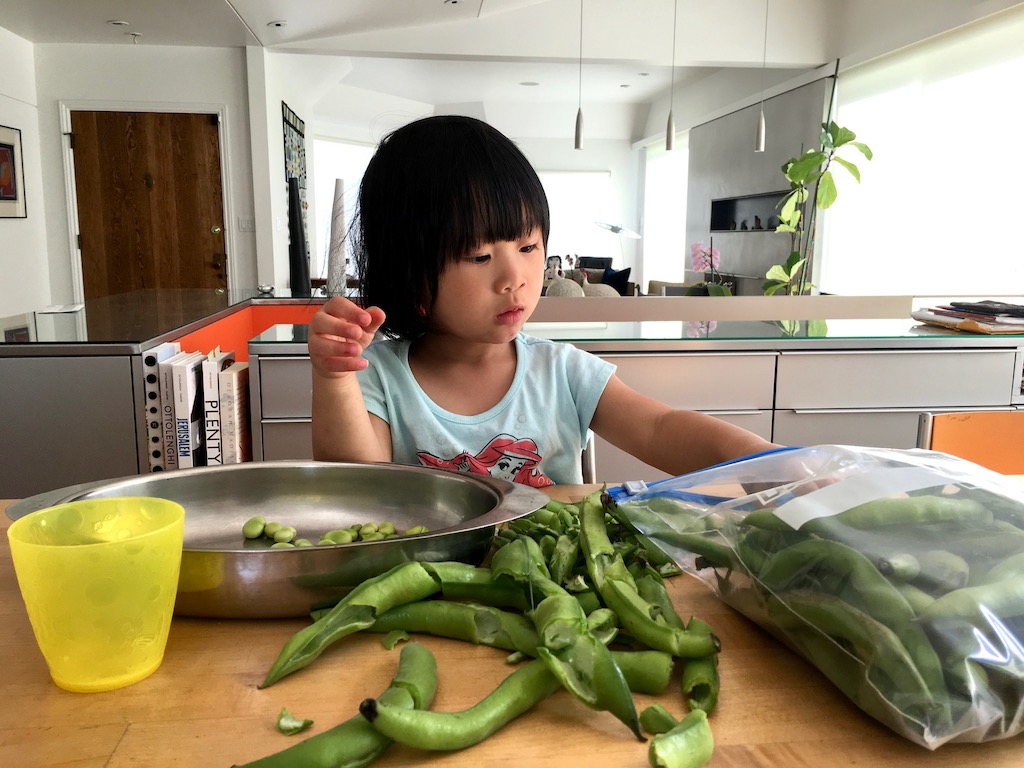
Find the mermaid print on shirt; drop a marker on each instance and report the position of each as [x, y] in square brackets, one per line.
[504, 457]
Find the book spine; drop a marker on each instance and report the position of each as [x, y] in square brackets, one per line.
[212, 427]
[152, 388]
[235, 405]
[242, 432]
[188, 409]
[170, 439]
[229, 443]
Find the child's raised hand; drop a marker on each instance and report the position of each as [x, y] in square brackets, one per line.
[338, 334]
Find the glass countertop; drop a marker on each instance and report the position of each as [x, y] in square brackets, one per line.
[695, 331]
[126, 318]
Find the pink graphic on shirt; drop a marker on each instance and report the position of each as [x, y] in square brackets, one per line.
[505, 457]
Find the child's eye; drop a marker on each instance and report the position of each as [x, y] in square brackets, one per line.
[528, 248]
[478, 258]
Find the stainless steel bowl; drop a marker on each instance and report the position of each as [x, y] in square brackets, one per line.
[224, 576]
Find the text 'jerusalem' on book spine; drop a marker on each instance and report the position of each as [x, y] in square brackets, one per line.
[184, 439]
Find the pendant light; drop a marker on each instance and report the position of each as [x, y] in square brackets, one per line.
[579, 109]
[670, 128]
[759, 137]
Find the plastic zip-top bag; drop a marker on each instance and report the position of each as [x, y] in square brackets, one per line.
[898, 573]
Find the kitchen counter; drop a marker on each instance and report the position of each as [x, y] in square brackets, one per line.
[202, 706]
[79, 393]
[126, 322]
[646, 336]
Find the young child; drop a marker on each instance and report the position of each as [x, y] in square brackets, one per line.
[450, 241]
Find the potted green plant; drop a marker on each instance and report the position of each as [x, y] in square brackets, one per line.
[812, 169]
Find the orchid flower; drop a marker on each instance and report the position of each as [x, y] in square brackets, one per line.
[704, 259]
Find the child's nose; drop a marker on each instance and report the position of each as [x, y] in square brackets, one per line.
[513, 275]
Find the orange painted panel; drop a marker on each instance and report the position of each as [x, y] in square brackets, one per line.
[993, 439]
[234, 331]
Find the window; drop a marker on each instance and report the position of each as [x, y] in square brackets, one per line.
[666, 255]
[335, 160]
[576, 201]
[938, 209]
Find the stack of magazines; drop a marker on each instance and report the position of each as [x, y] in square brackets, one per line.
[975, 316]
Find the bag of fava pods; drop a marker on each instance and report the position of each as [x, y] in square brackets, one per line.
[898, 573]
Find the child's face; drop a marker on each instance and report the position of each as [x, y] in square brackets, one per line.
[487, 294]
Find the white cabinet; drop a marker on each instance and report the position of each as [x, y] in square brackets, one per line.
[735, 387]
[281, 400]
[859, 391]
[875, 397]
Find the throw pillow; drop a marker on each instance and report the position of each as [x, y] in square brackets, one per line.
[617, 279]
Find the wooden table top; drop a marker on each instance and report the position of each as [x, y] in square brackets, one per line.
[202, 706]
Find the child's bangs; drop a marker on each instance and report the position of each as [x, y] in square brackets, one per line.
[494, 210]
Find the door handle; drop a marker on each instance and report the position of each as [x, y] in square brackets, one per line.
[216, 229]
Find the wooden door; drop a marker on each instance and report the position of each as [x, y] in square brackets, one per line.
[150, 205]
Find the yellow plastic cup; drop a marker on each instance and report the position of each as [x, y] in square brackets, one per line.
[99, 578]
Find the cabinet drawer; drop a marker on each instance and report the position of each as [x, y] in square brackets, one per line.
[897, 379]
[287, 440]
[614, 466]
[879, 429]
[701, 382]
[286, 387]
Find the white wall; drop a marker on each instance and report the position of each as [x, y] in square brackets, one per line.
[616, 157]
[24, 272]
[142, 78]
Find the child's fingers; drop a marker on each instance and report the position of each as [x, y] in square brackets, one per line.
[334, 355]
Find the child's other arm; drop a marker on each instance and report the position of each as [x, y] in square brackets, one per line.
[672, 440]
[342, 428]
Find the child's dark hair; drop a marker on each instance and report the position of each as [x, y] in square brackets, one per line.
[434, 190]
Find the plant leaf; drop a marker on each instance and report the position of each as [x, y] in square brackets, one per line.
[806, 165]
[793, 260]
[817, 328]
[789, 203]
[778, 272]
[826, 190]
[717, 289]
[842, 136]
[864, 149]
[854, 171]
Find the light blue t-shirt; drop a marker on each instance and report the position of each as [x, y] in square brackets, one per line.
[534, 435]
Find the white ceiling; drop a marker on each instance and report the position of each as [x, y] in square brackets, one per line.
[418, 49]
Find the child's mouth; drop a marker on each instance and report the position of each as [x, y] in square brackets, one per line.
[511, 317]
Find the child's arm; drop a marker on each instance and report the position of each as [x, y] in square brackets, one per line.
[672, 440]
[342, 428]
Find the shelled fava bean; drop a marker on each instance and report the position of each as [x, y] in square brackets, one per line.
[284, 536]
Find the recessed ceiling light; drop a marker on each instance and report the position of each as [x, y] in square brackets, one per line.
[643, 74]
[624, 85]
[117, 23]
[529, 82]
[451, 2]
[277, 24]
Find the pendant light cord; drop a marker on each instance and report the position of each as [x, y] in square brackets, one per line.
[764, 51]
[672, 91]
[579, 98]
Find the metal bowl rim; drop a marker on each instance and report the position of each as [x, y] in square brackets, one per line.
[514, 500]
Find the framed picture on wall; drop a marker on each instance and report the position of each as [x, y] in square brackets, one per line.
[12, 175]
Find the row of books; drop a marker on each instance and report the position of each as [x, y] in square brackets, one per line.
[975, 316]
[197, 408]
